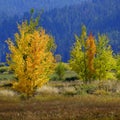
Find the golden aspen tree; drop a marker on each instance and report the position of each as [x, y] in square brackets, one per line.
[30, 57]
[91, 51]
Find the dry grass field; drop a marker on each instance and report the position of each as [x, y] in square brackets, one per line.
[62, 101]
[88, 107]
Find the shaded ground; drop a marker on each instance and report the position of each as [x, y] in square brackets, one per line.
[61, 108]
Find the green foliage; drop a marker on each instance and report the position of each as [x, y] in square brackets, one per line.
[88, 88]
[101, 92]
[70, 76]
[5, 73]
[104, 61]
[118, 67]
[97, 66]
[4, 69]
[78, 59]
[60, 70]
[54, 77]
[82, 56]
[2, 64]
[7, 76]
[63, 72]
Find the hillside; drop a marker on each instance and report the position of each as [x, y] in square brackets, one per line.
[99, 17]
[12, 7]
[63, 19]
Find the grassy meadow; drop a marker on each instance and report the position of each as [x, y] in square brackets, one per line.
[88, 107]
[61, 100]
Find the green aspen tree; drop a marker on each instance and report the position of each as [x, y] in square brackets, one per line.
[104, 62]
[78, 60]
[118, 67]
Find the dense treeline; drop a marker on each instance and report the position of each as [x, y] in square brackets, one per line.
[21, 6]
[64, 23]
[99, 17]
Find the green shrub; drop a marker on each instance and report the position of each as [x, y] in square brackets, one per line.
[70, 76]
[7, 76]
[63, 72]
[101, 92]
[60, 70]
[23, 96]
[4, 69]
[2, 64]
[7, 85]
[70, 91]
[88, 88]
[118, 76]
[54, 77]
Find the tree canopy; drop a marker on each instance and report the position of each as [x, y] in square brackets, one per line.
[30, 57]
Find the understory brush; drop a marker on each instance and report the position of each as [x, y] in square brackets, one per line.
[72, 88]
[77, 87]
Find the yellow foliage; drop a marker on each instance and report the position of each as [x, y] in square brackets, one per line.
[30, 58]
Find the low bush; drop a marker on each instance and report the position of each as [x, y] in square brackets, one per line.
[60, 70]
[70, 76]
[54, 77]
[2, 64]
[46, 90]
[7, 76]
[101, 92]
[4, 69]
[109, 85]
[7, 93]
[7, 85]
[88, 88]
[69, 91]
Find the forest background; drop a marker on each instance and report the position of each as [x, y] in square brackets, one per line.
[62, 19]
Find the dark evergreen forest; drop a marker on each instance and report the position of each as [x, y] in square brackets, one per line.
[63, 20]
